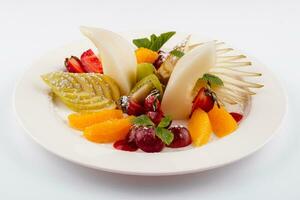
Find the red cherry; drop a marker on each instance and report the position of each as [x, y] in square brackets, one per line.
[146, 139]
[182, 137]
[237, 116]
[203, 100]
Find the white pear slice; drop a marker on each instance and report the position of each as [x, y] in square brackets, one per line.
[117, 56]
[177, 99]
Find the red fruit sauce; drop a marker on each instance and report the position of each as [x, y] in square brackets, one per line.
[237, 116]
[124, 145]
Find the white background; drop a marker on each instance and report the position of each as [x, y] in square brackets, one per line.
[269, 30]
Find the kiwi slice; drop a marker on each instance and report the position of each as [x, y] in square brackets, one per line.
[144, 69]
[84, 91]
[145, 86]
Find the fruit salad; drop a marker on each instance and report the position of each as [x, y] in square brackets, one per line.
[141, 95]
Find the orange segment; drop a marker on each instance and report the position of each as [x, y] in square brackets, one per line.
[108, 131]
[199, 127]
[221, 120]
[83, 120]
[144, 55]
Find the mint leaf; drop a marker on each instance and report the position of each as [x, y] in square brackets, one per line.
[142, 120]
[143, 42]
[212, 80]
[155, 42]
[165, 122]
[177, 53]
[164, 134]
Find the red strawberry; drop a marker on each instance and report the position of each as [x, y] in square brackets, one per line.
[203, 100]
[237, 116]
[90, 62]
[74, 65]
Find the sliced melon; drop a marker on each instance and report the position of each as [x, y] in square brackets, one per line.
[117, 56]
[177, 99]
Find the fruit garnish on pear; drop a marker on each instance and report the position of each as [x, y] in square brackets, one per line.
[177, 99]
[117, 56]
[83, 91]
[213, 59]
[167, 63]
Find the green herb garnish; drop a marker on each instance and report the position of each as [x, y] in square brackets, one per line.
[161, 130]
[212, 80]
[165, 122]
[177, 53]
[164, 134]
[155, 42]
[142, 120]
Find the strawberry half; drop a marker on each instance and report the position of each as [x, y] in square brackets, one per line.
[203, 100]
[74, 65]
[90, 62]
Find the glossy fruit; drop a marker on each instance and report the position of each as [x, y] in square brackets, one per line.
[151, 102]
[155, 117]
[237, 116]
[83, 91]
[82, 120]
[74, 65]
[117, 56]
[144, 55]
[143, 70]
[90, 62]
[108, 131]
[160, 59]
[182, 137]
[130, 106]
[146, 139]
[144, 87]
[124, 145]
[178, 98]
[222, 122]
[200, 127]
[134, 108]
[203, 100]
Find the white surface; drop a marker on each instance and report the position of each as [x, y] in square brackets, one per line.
[268, 30]
[53, 133]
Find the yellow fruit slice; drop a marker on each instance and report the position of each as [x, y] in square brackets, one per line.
[108, 131]
[82, 120]
[221, 120]
[144, 55]
[200, 127]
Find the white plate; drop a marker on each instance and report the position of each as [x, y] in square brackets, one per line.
[44, 122]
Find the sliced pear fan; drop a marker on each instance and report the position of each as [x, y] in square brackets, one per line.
[177, 97]
[84, 91]
[117, 56]
[219, 61]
